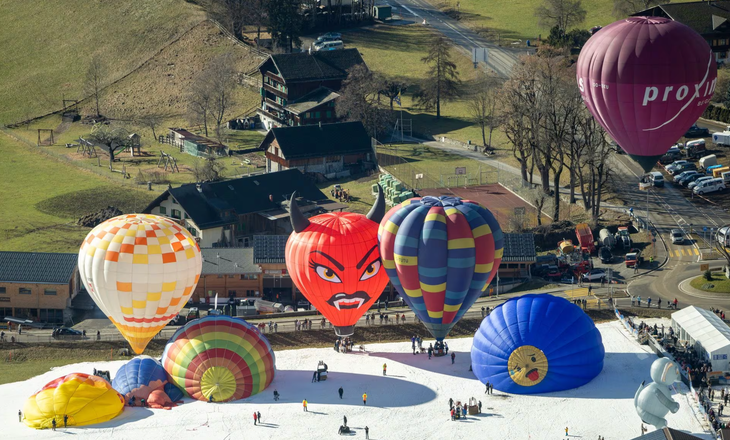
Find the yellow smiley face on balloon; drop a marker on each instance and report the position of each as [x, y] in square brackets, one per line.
[527, 365]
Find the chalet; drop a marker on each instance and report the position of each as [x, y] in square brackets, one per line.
[333, 150]
[709, 19]
[301, 88]
[196, 145]
[229, 273]
[231, 212]
[38, 286]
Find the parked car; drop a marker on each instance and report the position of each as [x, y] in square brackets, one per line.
[605, 255]
[332, 35]
[688, 176]
[708, 186]
[698, 181]
[695, 131]
[594, 275]
[677, 236]
[553, 274]
[634, 258]
[684, 167]
[678, 177]
[672, 166]
[329, 45]
[67, 333]
[655, 178]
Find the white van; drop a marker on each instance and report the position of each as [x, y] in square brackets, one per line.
[726, 177]
[655, 178]
[709, 186]
[329, 45]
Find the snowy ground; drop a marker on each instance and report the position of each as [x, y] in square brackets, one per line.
[410, 403]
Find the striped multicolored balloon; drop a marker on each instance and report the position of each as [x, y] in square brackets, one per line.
[440, 253]
[219, 358]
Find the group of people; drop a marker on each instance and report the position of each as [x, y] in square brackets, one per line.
[256, 417]
[370, 318]
[133, 402]
[459, 411]
[416, 344]
[636, 301]
[720, 314]
[344, 345]
[343, 195]
[486, 311]
[439, 349]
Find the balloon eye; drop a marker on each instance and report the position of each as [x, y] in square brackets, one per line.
[519, 369]
[371, 270]
[327, 274]
[533, 359]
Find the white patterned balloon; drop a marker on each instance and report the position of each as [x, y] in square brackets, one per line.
[140, 269]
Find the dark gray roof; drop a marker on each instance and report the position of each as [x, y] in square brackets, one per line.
[228, 261]
[519, 247]
[322, 65]
[313, 99]
[37, 267]
[667, 434]
[269, 248]
[307, 141]
[703, 17]
[218, 203]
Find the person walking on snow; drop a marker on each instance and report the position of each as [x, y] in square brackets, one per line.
[341, 391]
[20, 415]
[276, 395]
[364, 398]
[385, 367]
[345, 419]
[65, 418]
[53, 424]
[566, 431]
[453, 356]
[314, 377]
[258, 414]
[451, 403]
[255, 418]
[367, 433]
[304, 404]
[487, 390]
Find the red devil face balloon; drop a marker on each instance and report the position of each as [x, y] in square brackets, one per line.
[646, 80]
[334, 260]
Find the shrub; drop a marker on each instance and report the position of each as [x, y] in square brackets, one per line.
[708, 275]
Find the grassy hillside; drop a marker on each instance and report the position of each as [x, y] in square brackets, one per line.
[46, 47]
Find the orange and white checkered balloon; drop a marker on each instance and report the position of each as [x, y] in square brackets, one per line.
[140, 269]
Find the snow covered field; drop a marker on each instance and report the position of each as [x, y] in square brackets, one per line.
[410, 403]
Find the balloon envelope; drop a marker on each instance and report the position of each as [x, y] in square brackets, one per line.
[440, 254]
[537, 344]
[139, 377]
[219, 356]
[140, 270]
[646, 80]
[335, 262]
[84, 398]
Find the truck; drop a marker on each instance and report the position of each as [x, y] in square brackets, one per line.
[585, 238]
[623, 237]
[708, 161]
[606, 238]
[722, 137]
[717, 172]
[634, 258]
[695, 148]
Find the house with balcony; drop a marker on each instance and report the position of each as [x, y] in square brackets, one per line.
[332, 150]
[301, 88]
[707, 18]
[229, 213]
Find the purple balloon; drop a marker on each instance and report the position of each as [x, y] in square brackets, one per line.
[646, 80]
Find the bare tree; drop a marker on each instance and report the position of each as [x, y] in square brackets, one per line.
[483, 106]
[285, 22]
[110, 139]
[233, 14]
[593, 167]
[443, 78]
[359, 101]
[95, 78]
[221, 74]
[624, 8]
[151, 121]
[208, 169]
[200, 101]
[564, 14]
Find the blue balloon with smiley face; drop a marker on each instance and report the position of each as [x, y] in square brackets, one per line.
[537, 344]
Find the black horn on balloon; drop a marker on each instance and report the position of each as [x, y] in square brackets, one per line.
[298, 221]
[377, 212]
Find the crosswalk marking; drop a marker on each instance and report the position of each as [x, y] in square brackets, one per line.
[575, 293]
[696, 251]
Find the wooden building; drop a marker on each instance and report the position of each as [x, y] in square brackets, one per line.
[229, 273]
[196, 145]
[333, 150]
[229, 213]
[301, 88]
[518, 256]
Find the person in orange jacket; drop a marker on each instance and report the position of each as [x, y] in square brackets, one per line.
[385, 367]
[304, 404]
[364, 398]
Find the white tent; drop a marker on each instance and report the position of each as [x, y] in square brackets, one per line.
[704, 330]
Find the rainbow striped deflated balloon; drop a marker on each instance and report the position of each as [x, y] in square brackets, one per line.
[219, 358]
[440, 253]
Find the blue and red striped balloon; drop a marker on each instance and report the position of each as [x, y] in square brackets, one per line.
[440, 253]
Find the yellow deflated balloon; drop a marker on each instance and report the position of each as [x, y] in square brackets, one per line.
[83, 399]
[140, 269]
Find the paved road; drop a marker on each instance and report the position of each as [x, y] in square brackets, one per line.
[670, 209]
[499, 59]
